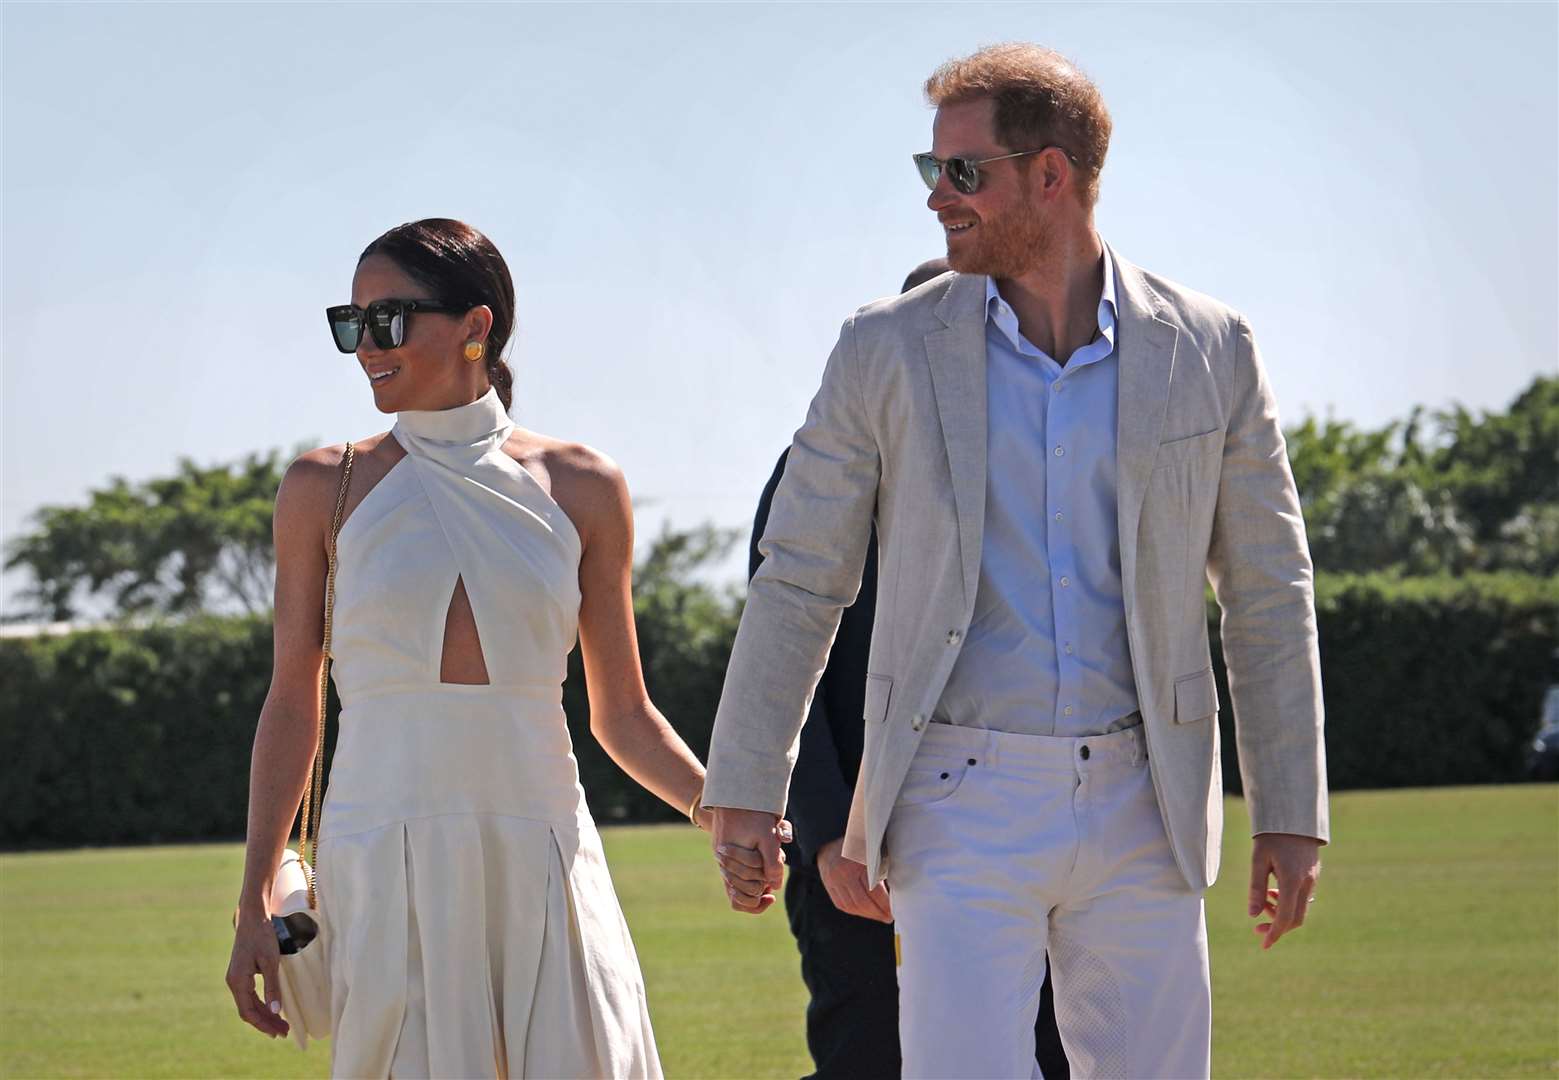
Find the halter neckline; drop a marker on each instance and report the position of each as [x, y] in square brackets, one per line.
[478, 421]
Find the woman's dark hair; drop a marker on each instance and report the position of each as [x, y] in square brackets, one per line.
[460, 266]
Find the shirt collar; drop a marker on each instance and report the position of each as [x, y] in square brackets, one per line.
[998, 312]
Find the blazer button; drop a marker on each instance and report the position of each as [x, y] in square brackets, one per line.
[918, 722]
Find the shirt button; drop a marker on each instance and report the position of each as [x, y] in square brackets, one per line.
[1065, 582]
[1069, 648]
[1058, 515]
[1060, 452]
[918, 722]
[1056, 388]
[1067, 711]
[954, 636]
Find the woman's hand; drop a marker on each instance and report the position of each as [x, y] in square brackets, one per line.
[752, 874]
[255, 953]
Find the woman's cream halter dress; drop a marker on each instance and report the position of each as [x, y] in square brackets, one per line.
[474, 929]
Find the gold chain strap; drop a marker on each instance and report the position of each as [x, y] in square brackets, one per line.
[313, 791]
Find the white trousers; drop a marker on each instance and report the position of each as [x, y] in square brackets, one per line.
[1004, 846]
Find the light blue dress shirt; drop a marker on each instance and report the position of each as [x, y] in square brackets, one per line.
[1046, 652]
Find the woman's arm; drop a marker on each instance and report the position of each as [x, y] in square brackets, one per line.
[591, 488]
[285, 737]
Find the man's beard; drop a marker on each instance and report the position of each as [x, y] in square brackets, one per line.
[1008, 247]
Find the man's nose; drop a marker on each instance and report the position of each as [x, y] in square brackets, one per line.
[944, 195]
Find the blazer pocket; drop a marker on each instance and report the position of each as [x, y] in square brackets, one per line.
[1196, 697]
[878, 688]
[1178, 450]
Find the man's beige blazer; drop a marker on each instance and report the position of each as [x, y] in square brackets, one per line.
[897, 434]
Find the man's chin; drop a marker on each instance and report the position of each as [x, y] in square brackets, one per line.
[965, 262]
[974, 259]
[980, 263]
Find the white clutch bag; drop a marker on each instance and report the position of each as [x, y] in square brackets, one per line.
[305, 972]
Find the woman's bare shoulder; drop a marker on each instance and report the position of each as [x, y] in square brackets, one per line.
[311, 483]
[584, 481]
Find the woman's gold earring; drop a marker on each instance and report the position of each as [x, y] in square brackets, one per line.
[475, 350]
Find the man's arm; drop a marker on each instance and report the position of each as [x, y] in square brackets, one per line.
[814, 551]
[1259, 566]
[819, 795]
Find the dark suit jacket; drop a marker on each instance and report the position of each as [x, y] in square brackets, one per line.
[830, 754]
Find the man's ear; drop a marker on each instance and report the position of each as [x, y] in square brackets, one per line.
[1056, 170]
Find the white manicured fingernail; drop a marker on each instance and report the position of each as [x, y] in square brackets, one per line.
[276, 1007]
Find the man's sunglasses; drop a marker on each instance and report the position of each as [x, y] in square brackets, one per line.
[385, 319]
[965, 172]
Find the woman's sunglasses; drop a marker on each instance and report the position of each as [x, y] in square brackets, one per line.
[965, 172]
[385, 319]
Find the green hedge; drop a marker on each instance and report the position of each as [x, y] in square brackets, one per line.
[144, 735]
[1427, 681]
[113, 736]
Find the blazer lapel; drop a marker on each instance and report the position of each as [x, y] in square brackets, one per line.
[956, 352]
[1146, 360]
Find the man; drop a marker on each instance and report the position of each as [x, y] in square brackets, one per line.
[1056, 447]
[843, 928]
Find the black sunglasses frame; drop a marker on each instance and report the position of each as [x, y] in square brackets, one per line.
[964, 172]
[379, 317]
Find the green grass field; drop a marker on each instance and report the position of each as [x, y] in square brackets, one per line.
[1433, 950]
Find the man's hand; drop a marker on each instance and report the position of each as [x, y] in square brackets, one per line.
[747, 847]
[1296, 863]
[845, 880]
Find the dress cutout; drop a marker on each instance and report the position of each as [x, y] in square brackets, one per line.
[460, 631]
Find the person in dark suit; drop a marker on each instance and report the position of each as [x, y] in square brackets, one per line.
[844, 932]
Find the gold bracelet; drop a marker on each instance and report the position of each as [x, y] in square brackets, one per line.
[695, 806]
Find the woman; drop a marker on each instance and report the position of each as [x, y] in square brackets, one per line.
[474, 929]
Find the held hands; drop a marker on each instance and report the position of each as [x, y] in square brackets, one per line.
[845, 880]
[255, 953]
[747, 849]
[1296, 863]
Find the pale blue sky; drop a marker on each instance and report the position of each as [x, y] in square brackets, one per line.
[692, 197]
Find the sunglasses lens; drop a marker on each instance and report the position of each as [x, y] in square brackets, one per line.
[387, 323]
[964, 174]
[930, 169]
[346, 327]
